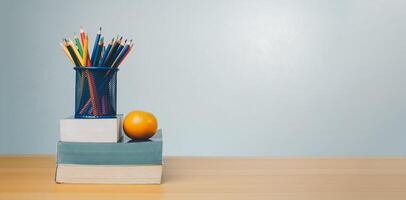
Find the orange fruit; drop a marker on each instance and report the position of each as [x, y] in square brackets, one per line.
[140, 125]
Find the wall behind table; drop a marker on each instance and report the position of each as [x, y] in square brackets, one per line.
[223, 77]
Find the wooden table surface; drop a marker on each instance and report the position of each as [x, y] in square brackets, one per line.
[32, 177]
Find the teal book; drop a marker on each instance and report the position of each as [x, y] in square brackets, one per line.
[124, 152]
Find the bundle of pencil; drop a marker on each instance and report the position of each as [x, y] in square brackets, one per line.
[111, 56]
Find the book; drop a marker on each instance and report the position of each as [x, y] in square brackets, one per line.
[90, 130]
[108, 174]
[126, 151]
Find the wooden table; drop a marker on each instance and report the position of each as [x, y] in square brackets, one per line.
[32, 177]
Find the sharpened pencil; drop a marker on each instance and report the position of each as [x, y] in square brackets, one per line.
[78, 44]
[99, 50]
[85, 47]
[106, 52]
[121, 55]
[76, 53]
[72, 53]
[109, 60]
[96, 42]
[110, 56]
[66, 52]
[82, 35]
[119, 49]
[125, 55]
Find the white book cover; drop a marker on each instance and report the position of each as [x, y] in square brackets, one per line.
[90, 130]
[108, 174]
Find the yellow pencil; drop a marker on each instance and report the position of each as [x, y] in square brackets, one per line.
[77, 53]
[67, 52]
[85, 52]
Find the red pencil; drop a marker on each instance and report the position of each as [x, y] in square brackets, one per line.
[82, 35]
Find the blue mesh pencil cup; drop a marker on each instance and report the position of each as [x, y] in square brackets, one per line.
[96, 92]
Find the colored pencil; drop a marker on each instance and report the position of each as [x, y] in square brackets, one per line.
[110, 56]
[113, 50]
[76, 52]
[91, 82]
[120, 47]
[96, 42]
[98, 51]
[67, 52]
[85, 39]
[85, 58]
[121, 55]
[87, 49]
[93, 95]
[72, 53]
[78, 44]
[125, 55]
[106, 53]
[82, 35]
[92, 88]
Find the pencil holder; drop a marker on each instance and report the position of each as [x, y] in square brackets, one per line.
[96, 92]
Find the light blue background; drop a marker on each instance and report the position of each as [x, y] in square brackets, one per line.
[223, 77]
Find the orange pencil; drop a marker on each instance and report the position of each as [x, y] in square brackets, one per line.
[85, 46]
[87, 49]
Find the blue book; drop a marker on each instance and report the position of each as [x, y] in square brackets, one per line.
[124, 152]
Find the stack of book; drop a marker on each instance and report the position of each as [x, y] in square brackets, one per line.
[96, 151]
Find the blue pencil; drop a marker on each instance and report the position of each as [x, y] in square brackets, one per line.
[106, 52]
[120, 56]
[96, 42]
[99, 51]
[110, 59]
[119, 50]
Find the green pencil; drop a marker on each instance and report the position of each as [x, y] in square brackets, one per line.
[69, 47]
[78, 44]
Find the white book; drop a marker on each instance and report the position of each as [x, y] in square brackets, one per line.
[108, 174]
[90, 130]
